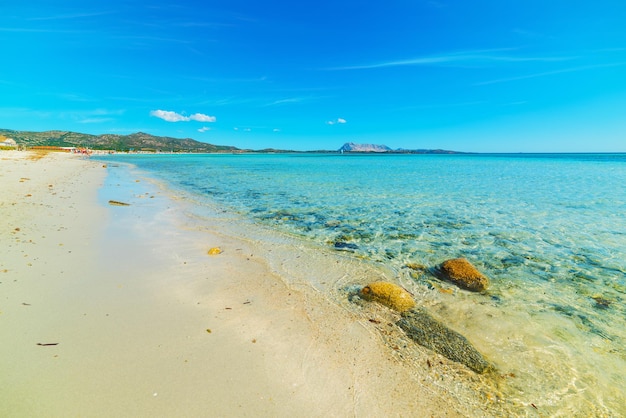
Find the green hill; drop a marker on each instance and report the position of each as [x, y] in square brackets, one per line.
[138, 141]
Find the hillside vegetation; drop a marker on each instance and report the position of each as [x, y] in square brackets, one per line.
[138, 141]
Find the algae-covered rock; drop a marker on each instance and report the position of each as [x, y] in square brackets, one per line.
[340, 245]
[462, 273]
[415, 266]
[118, 203]
[427, 331]
[388, 294]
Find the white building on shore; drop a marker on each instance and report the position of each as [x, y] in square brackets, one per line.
[7, 142]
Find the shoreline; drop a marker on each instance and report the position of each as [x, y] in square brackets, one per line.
[121, 310]
[147, 323]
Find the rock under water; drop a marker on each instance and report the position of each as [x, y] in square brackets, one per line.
[388, 294]
[462, 273]
[430, 333]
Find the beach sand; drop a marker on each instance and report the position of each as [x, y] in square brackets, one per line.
[120, 311]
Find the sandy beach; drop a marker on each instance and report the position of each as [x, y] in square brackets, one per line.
[120, 311]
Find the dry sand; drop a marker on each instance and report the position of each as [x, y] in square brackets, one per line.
[146, 323]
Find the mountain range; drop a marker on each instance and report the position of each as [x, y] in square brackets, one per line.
[141, 141]
[134, 142]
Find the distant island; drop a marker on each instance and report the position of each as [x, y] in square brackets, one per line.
[373, 148]
[143, 142]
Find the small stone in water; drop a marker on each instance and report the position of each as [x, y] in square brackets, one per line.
[601, 302]
[346, 245]
[388, 294]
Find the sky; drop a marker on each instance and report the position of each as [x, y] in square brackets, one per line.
[474, 76]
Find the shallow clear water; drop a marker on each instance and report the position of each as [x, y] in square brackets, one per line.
[549, 230]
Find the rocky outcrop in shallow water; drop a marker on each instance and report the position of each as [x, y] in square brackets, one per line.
[423, 328]
[462, 273]
[388, 294]
[430, 333]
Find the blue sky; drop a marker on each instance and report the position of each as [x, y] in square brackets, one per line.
[482, 76]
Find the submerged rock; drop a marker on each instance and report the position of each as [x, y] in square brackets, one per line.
[601, 302]
[388, 294]
[462, 273]
[340, 245]
[430, 333]
[118, 203]
[415, 266]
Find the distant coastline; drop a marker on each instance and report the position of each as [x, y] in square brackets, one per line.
[147, 143]
[144, 143]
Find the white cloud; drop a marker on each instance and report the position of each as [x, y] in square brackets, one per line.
[337, 121]
[170, 116]
[202, 118]
[204, 129]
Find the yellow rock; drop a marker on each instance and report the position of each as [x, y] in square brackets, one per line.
[464, 274]
[390, 295]
[215, 251]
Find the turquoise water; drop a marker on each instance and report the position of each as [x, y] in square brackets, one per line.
[549, 230]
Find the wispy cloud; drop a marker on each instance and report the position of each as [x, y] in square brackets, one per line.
[527, 34]
[93, 116]
[152, 38]
[72, 97]
[96, 120]
[285, 101]
[547, 73]
[439, 106]
[437, 4]
[204, 129]
[229, 80]
[477, 57]
[339, 121]
[170, 116]
[71, 16]
[35, 30]
[189, 24]
[87, 116]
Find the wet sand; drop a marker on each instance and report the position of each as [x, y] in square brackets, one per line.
[120, 311]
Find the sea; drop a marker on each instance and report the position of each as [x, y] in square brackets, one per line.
[549, 230]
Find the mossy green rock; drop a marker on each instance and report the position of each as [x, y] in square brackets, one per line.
[430, 333]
